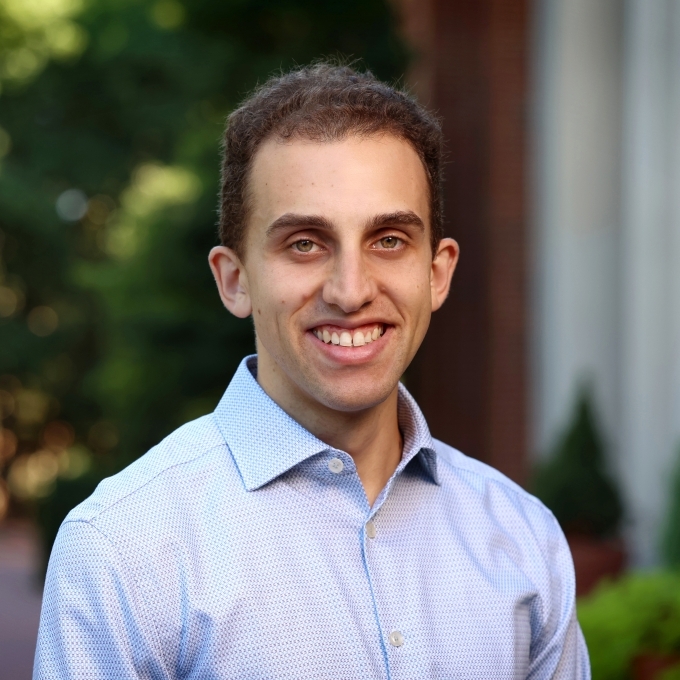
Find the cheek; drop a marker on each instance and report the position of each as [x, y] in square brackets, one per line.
[280, 294]
[413, 294]
[292, 291]
[404, 280]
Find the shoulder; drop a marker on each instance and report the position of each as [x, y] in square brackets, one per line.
[480, 475]
[141, 527]
[501, 516]
[494, 494]
[162, 476]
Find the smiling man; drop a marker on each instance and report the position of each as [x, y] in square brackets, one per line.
[311, 527]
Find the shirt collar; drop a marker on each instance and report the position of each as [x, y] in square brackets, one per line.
[266, 442]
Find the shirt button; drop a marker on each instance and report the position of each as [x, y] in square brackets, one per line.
[335, 465]
[370, 529]
[396, 638]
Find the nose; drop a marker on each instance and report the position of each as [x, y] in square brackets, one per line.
[350, 285]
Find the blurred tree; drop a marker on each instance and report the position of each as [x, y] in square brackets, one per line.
[574, 482]
[111, 332]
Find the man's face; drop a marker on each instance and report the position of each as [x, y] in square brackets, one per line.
[337, 268]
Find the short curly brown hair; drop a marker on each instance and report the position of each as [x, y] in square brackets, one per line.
[323, 102]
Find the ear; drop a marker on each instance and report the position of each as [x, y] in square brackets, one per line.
[232, 281]
[443, 266]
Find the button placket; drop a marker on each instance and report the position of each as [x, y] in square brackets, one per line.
[393, 623]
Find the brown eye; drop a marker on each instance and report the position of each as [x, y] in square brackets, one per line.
[304, 246]
[389, 242]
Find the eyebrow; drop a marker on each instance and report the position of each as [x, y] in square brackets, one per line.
[294, 220]
[402, 218]
[397, 218]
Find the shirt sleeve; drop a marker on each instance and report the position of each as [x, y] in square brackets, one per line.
[559, 651]
[92, 624]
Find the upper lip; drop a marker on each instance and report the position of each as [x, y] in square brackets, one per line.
[350, 325]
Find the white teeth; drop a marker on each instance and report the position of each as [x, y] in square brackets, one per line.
[348, 338]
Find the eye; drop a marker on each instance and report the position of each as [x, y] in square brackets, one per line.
[389, 242]
[304, 246]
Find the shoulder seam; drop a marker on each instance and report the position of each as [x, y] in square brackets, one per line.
[93, 517]
[512, 486]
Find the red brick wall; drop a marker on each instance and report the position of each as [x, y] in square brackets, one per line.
[470, 376]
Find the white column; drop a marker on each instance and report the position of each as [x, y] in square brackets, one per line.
[650, 266]
[607, 238]
[674, 247]
[576, 186]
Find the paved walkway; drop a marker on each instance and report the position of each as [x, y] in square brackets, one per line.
[19, 600]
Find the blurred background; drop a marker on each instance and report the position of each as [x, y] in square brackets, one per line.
[556, 358]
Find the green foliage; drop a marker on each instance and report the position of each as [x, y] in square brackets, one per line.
[111, 332]
[671, 538]
[573, 482]
[670, 674]
[638, 614]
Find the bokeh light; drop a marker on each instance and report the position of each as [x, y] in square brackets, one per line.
[4, 499]
[71, 205]
[9, 301]
[8, 445]
[42, 321]
[33, 475]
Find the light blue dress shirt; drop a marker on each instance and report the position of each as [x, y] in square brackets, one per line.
[244, 547]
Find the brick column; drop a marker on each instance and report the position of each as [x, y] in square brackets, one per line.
[470, 376]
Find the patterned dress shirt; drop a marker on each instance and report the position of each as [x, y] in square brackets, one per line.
[243, 547]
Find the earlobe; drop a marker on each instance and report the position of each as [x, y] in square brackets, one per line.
[231, 280]
[443, 266]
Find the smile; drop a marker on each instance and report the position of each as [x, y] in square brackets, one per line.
[355, 337]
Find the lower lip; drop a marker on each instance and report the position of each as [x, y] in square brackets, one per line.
[352, 355]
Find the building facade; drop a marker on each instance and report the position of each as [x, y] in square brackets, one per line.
[606, 229]
[562, 120]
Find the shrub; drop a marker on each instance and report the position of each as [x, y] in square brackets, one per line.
[574, 483]
[638, 614]
[670, 547]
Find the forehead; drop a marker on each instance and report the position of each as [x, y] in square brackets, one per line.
[344, 180]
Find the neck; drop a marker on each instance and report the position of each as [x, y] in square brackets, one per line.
[370, 436]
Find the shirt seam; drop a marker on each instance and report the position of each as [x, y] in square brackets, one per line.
[519, 492]
[113, 504]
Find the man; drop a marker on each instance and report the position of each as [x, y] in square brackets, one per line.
[311, 527]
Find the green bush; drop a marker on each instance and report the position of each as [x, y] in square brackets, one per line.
[671, 674]
[574, 483]
[670, 548]
[638, 614]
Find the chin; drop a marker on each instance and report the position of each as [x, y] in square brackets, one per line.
[351, 395]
